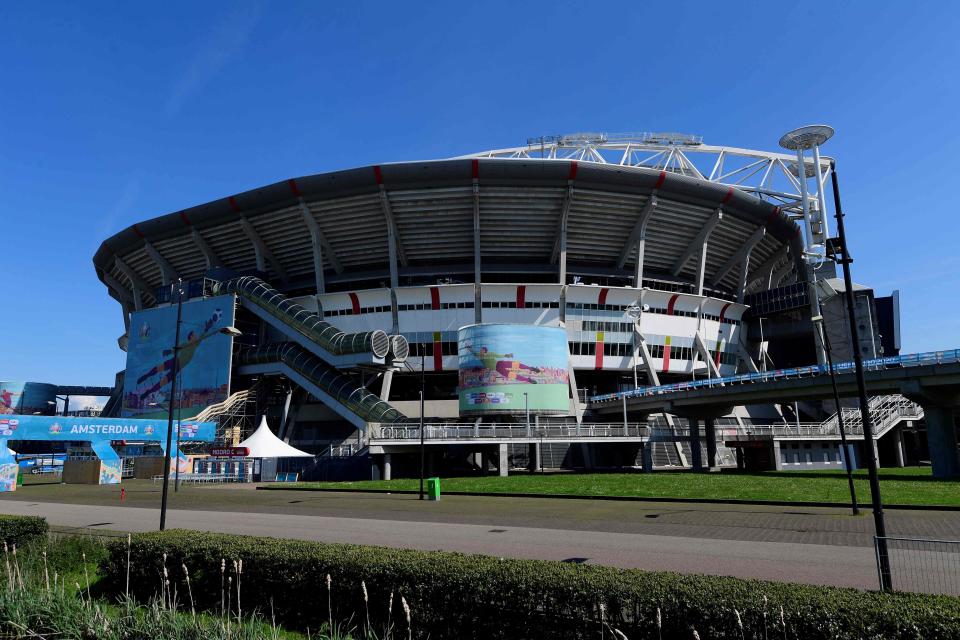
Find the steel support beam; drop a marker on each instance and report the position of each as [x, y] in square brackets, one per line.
[325, 247]
[316, 245]
[704, 352]
[699, 243]
[639, 232]
[136, 282]
[741, 257]
[765, 270]
[167, 272]
[394, 245]
[560, 246]
[647, 359]
[262, 251]
[213, 260]
[477, 299]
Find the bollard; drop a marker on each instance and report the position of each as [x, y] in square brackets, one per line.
[123, 494]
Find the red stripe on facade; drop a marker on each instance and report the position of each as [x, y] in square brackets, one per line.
[437, 352]
[355, 301]
[602, 298]
[598, 359]
[294, 189]
[186, 220]
[377, 174]
[435, 298]
[666, 358]
[573, 171]
[137, 231]
[727, 197]
[233, 204]
[673, 301]
[475, 169]
[723, 311]
[521, 297]
[661, 180]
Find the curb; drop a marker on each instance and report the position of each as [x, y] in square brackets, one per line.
[865, 507]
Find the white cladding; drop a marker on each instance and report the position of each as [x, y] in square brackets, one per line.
[599, 327]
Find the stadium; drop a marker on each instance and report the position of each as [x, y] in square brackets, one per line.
[656, 259]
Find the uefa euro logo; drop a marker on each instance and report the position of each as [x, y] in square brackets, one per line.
[55, 428]
[148, 430]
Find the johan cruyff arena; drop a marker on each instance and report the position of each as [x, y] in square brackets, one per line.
[509, 287]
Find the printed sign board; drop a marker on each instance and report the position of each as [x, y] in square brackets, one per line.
[507, 368]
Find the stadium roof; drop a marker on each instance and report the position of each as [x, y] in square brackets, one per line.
[430, 207]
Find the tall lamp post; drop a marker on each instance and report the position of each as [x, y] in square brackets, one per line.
[825, 342]
[844, 259]
[174, 369]
[423, 385]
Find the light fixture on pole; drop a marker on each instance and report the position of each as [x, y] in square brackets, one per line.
[844, 259]
[174, 370]
[173, 385]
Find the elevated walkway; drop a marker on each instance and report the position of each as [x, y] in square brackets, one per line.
[338, 391]
[325, 341]
[906, 374]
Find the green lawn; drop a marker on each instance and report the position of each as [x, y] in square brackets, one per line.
[913, 486]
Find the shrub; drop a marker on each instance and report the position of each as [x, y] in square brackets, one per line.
[456, 595]
[19, 530]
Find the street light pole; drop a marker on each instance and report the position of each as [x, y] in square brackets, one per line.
[825, 343]
[422, 448]
[173, 386]
[871, 447]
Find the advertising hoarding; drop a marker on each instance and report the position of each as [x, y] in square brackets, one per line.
[507, 368]
[203, 376]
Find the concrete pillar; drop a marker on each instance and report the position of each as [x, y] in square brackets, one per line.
[942, 440]
[503, 460]
[776, 462]
[898, 447]
[387, 464]
[647, 454]
[695, 454]
[740, 461]
[484, 462]
[711, 434]
[534, 456]
[374, 468]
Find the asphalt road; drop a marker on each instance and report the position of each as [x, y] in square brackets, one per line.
[810, 545]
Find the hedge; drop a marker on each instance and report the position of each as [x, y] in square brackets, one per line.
[463, 596]
[19, 530]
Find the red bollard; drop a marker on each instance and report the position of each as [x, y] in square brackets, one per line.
[123, 494]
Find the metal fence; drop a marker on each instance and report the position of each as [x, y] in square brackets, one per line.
[910, 360]
[922, 565]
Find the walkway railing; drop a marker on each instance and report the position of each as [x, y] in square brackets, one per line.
[911, 360]
[492, 431]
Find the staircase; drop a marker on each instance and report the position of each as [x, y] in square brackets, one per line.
[230, 415]
[885, 411]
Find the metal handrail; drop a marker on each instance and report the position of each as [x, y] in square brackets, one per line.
[303, 321]
[911, 360]
[342, 388]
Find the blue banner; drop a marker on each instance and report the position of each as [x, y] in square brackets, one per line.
[202, 360]
[94, 430]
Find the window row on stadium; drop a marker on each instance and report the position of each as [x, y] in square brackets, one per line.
[527, 305]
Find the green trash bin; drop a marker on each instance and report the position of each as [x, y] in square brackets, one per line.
[433, 488]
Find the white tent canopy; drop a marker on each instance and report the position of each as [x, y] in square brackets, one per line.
[262, 443]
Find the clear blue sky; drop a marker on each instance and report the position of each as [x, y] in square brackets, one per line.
[114, 113]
